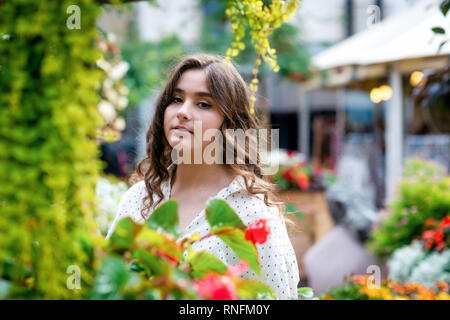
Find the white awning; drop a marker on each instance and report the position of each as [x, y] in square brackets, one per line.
[407, 35]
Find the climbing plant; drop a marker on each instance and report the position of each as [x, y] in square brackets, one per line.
[48, 154]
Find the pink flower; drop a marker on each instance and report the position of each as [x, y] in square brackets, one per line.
[216, 287]
[237, 269]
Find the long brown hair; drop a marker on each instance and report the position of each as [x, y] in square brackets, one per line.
[231, 95]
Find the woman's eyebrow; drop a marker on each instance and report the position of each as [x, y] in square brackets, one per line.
[200, 94]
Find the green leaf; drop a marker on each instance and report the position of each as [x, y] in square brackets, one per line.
[441, 45]
[305, 292]
[219, 214]
[253, 289]
[290, 207]
[202, 262]
[165, 218]
[122, 238]
[244, 249]
[438, 30]
[151, 238]
[111, 277]
[445, 6]
[152, 265]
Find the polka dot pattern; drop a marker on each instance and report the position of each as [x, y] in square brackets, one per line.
[277, 258]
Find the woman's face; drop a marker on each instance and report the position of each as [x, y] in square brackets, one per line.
[191, 103]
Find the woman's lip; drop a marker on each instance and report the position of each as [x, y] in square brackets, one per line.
[181, 130]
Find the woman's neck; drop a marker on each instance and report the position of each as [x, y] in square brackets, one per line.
[201, 176]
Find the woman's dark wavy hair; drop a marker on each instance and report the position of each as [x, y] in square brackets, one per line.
[231, 95]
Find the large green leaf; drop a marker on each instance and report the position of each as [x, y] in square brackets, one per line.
[152, 265]
[151, 238]
[111, 277]
[122, 238]
[219, 214]
[244, 249]
[253, 289]
[165, 218]
[202, 262]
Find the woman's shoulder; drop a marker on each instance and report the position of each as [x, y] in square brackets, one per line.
[251, 207]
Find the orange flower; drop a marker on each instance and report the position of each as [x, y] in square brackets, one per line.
[302, 180]
[442, 285]
[425, 295]
[429, 222]
[357, 279]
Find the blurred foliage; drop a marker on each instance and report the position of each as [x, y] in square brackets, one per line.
[48, 153]
[149, 63]
[293, 55]
[423, 194]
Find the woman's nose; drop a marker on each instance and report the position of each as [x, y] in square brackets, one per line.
[185, 111]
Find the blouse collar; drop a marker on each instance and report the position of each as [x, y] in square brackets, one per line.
[236, 185]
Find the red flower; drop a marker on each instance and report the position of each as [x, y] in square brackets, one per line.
[445, 222]
[428, 234]
[439, 235]
[257, 232]
[302, 180]
[216, 287]
[290, 153]
[429, 244]
[287, 174]
[440, 246]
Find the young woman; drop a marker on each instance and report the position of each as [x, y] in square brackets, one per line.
[202, 89]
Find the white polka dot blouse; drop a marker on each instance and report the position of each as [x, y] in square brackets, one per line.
[277, 257]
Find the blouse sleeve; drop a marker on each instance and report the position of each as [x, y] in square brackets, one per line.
[129, 206]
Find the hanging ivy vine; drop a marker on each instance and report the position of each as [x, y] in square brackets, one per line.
[262, 17]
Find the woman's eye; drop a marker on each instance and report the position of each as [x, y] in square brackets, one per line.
[205, 105]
